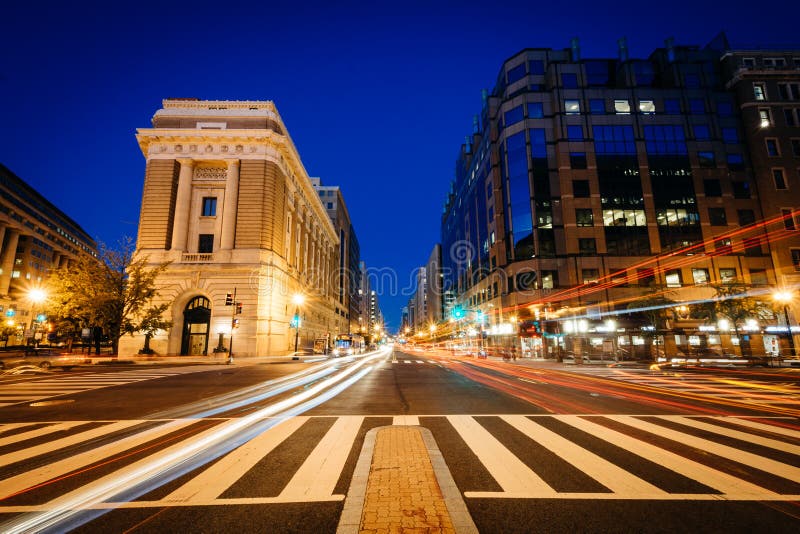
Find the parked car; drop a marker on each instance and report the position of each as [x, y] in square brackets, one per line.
[44, 359]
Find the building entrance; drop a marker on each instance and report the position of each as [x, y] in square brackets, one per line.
[196, 320]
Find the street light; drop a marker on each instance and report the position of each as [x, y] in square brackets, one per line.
[36, 296]
[785, 297]
[298, 301]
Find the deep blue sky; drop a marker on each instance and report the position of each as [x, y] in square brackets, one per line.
[377, 96]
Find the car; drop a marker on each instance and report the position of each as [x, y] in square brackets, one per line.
[44, 359]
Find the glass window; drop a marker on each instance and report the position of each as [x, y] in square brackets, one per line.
[749, 62]
[723, 246]
[577, 160]
[712, 188]
[205, 244]
[735, 161]
[572, 107]
[515, 74]
[724, 109]
[795, 259]
[580, 188]
[624, 217]
[622, 107]
[758, 91]
[758, 277]
[706, 159]
[701, 132]
[673, 278]
[587, 246]
[589, 275]
[717, 217]
[597, 106]
[536, 66]
[489, 191]
[772, 147]
[513, 116]
[788, 219]
[765, 118]
[535, 110]
[727, 275]
[697, 106]
[569, 80]
[549, 279]
[692, 81]
[209, 206]
[664, 139]
[672, 106]
[746, 217]
[777, 177]
[646, 277]
[647, 107]
[330, 205]
[788, 117]
[614, 140]
[730, 136]
[700, 276]
[796, 148]
[584, 217]
[575, 133]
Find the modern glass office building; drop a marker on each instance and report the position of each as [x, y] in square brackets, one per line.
[590, 183]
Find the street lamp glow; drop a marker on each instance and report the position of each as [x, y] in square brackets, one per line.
[37, 295]
[783, 296]
[432, 328]
[298, 299]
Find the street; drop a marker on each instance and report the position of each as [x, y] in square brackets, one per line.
[272, 447]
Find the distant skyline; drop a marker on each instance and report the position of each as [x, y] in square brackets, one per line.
[377, 98]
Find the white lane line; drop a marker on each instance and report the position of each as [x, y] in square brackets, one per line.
[317, 477]
[606, 473]
[25, 454]
[223, 474]
[701, 473]
[405, 420]
[53, 470]
[52, 429]
[406, 361]
[780, 469]
[420, 361]
[744, 436]
[509, 471]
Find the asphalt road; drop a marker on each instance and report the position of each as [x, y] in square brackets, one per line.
[221, 448]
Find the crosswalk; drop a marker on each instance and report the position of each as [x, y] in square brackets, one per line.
[611, 457]
[722, 386]
[413, 362]
[32, 390]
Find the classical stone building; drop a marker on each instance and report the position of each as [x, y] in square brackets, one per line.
[228, 202]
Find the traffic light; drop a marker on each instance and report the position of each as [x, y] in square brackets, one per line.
[236, 323]
[238, 308]
[295, 321]
[228, 299]
[458, 312]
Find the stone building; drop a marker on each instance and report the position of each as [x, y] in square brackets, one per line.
[229, 204]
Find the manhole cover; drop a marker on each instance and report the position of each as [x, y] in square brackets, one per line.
[52, 402]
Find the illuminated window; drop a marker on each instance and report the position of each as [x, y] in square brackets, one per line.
[673, 278]
[622, 107]
[758, 91]
[700, 276]
[727, 276]
[589, 275]
[647, 107]
[764, 118]
[572, 107]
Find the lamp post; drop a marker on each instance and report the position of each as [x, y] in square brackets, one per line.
[784, 297]
[298, 300]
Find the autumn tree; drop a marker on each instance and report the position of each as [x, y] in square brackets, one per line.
[114, 291]
[734, 303]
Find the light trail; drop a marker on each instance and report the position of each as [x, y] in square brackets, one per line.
[72, 510]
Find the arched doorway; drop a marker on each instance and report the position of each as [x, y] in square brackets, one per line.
[196, 322]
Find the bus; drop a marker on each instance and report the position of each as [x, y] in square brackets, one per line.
[348, 344]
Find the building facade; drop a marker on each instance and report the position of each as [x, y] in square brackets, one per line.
[229, 204]
[589, 185]
[347, 275]
[35, 238]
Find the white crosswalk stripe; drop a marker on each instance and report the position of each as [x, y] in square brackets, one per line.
[35, 390]
[316, 475]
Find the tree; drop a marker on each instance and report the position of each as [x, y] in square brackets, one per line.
[114, 292]
[151, 322]
[654, 309]
[734, 303]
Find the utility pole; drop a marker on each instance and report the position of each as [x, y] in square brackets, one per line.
[230, 300]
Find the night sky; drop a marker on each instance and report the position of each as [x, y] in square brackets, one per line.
[377, 96]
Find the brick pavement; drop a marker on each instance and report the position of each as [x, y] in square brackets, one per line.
[402, 492]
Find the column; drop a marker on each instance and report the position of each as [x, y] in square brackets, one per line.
[180, 222]
[7, 256]
[55, 263]
[229, 210]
